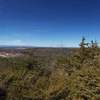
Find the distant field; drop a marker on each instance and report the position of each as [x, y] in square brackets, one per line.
[39, 51]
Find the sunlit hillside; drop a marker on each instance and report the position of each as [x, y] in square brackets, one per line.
[74, 76]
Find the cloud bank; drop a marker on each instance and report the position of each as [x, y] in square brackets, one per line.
[14, 43]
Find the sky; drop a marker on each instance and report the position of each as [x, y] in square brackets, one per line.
[49, 23]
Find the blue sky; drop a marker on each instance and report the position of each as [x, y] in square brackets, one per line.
[49, 22]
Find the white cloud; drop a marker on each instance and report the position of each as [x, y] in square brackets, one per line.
[14, 43]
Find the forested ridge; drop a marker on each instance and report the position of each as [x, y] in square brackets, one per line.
[75, 76]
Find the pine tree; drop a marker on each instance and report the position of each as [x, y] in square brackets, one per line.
[83, 50]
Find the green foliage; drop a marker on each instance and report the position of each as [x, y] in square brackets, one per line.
[75, 77]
